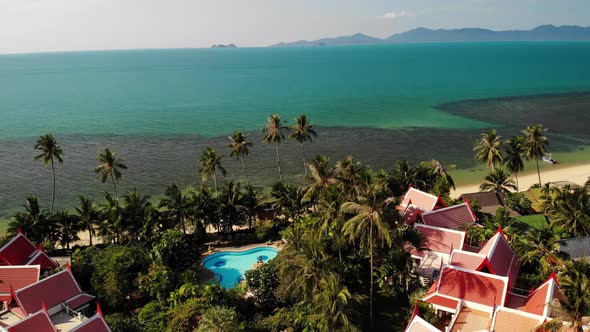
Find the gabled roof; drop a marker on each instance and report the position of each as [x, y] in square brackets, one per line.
[506, 319]
[540, 299]
[501, 256]
[17, 277]
[41, 258]
[470, 287]
[441, 239]
[37, 322]
[468, 260]
[422, 200]
[452, 217]
[95, 323]
[17, 251]
[52, 291]
[418, 324]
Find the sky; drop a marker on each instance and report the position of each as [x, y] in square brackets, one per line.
[66, 25]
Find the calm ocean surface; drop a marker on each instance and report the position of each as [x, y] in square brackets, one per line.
[159, 108]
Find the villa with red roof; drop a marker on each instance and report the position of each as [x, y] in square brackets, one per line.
[459, 216]
[41, 321]
[16, 277]
[20, 251]
[440, 243]
[416, 202]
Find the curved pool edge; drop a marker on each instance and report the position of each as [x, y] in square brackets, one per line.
[208, 256]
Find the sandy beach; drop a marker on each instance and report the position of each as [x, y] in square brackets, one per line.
[577, 174]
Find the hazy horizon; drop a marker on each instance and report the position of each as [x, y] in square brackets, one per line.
[30, 26]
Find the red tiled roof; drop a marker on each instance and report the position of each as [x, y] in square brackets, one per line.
[506, 319]
[501, 256]
[540, 298]
[441, 239]
[53, 290]
[16, 277]
[41, 258]
[452, 217]
[421, 199]
[515, 301]
[466, 259]
[37, 322]
[471, 286]
[17, 251]
[79, 300]
[418, 324]
[442, 301]
[95, 323]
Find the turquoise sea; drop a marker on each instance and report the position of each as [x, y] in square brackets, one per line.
[159, 108]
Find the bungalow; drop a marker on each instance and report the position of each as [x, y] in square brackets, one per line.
[16, 277]
[40, 321]
[459, 216]
[20, 251]
[415, 202]
[440, 243]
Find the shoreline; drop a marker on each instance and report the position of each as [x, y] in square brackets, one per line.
[576, 173]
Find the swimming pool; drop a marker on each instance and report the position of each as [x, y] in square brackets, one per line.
[229, 266]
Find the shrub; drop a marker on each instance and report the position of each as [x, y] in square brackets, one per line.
[175, 251]
[263, 282]
[121, 323]
[153, 318]
[518, 202]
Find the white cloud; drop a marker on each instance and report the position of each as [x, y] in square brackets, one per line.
[393, 15]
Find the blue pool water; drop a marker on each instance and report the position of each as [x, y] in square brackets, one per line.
[229, 266]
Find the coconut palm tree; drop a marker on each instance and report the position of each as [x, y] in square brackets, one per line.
[368, 224]
[303, 131]
[331, 306]
[439, 171]
[488, 148]
[34, 222]
[210, 164]
[88, 216]
[349, 173]
[542, 246]
[67, 228]
[135, 214]
[575, 310]
[218, 319]
[570, 208]
[178, 204]
[50, 152]
[498, 181]
[321, 176]
[274, 133]
[536, 144]
[240, 149]
[514, 150]
[109, 166]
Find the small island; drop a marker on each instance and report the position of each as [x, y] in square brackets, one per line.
[224, 46]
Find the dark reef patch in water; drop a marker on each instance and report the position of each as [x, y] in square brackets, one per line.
[156, 161]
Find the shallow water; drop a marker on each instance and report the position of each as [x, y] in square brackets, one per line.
[384, 103]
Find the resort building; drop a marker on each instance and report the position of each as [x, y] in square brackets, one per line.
[475, 290]
[55, 303]
[20, 251]
[441, 242]
[416, 202]
[459, 216]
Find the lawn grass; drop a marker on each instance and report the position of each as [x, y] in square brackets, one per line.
[531, 221]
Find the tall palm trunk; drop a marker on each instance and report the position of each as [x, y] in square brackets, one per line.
[215, 180]
[371, 289]
[538, 172]
[52, 188]
[517, 186]
[90, 234]
[115, 186]
[244, 169]
[183, 226]
[303, 154]
[279, 161]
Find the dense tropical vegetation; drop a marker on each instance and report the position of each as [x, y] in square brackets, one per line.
[344, 264]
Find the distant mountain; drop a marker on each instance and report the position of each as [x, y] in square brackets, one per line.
[224, 46]
[424, 35]
[356, 39]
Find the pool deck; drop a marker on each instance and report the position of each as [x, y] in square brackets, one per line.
[275, 244]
